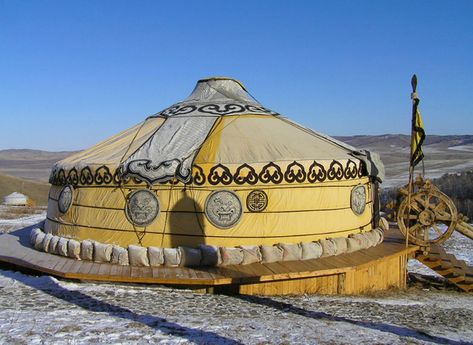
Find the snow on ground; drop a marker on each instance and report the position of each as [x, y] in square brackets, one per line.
[39, 310]
[45, 310]
[21, 220]
[464, 148]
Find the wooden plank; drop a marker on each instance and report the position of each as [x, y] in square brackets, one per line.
[104, 270]
[85, 268]
[115, 270]
[75, 267]
[254, 270]
[94, 271]
[157, 272]
[57, 263]
[296, 266]
[233, 272]
[126, 273]
[66, 265]
[136, 271]
[202, 274]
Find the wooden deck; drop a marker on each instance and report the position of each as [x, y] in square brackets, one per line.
[377, 268]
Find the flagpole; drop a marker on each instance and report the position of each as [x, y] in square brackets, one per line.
[411, 165]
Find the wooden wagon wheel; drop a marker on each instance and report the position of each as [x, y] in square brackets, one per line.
[431, 218]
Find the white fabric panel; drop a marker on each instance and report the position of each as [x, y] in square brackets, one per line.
[219, 90]
[171, 150]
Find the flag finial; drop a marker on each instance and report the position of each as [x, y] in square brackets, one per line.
[414, 83]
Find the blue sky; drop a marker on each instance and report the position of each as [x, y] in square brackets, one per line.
[75, 72]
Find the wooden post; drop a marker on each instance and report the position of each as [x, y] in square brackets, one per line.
[411, 163]
[411, 173]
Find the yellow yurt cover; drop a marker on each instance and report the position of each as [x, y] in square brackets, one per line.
[217, 168]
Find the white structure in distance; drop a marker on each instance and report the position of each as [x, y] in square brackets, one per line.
[15, 199]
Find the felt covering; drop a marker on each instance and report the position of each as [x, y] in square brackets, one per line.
[340, 244]
[46, 240]
[73, 249]
[271, 253]
[210, 255]
[251, 254]
[102, 252]
[172, 257]
[383, 224]
[38, 241]
[291, 252]
[156, 256]
[62, 246]
[311, 250]
[138, 256]
[190, 257]
[87, 250]
[53, 245]
[231, 256]
[328, 248]
[119, 256]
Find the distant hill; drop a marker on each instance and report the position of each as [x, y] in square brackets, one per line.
[443, 154]
[38, 191]
[30, 164]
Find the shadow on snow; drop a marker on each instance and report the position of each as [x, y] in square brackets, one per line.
[383, 327]
[92, 304]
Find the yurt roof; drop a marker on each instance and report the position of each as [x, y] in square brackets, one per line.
[15, 195]
[219, 123]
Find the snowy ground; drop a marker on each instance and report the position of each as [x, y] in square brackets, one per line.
[44, 310]
[12, 218]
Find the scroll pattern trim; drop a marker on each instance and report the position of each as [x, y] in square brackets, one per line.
[220, 174]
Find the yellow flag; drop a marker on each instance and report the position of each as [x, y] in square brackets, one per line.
[418, 133]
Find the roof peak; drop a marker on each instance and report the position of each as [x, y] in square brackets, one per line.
[220, 90]
[222, 78]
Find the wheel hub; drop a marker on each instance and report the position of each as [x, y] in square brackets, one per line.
[427, 217]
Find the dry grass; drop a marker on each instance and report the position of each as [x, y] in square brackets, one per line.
[14, 212]
[36, 191]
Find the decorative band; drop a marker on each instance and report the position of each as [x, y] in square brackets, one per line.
[222, 175]
[214, 109]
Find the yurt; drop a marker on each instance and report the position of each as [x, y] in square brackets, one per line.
[215, 174]
[15, 199]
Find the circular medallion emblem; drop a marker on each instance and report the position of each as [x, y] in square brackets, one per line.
[142, 207]
[65, 198]
[257, 201]
[223, 209]
[358, 199]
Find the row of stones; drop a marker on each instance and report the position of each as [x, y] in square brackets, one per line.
[204, 255]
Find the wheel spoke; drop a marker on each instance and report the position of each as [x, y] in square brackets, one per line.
[436, 228]
[415, 207]
[443, 217]
[414, 228]
[426, 234]
[440, 207]
[427, 201]
[418, 198]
